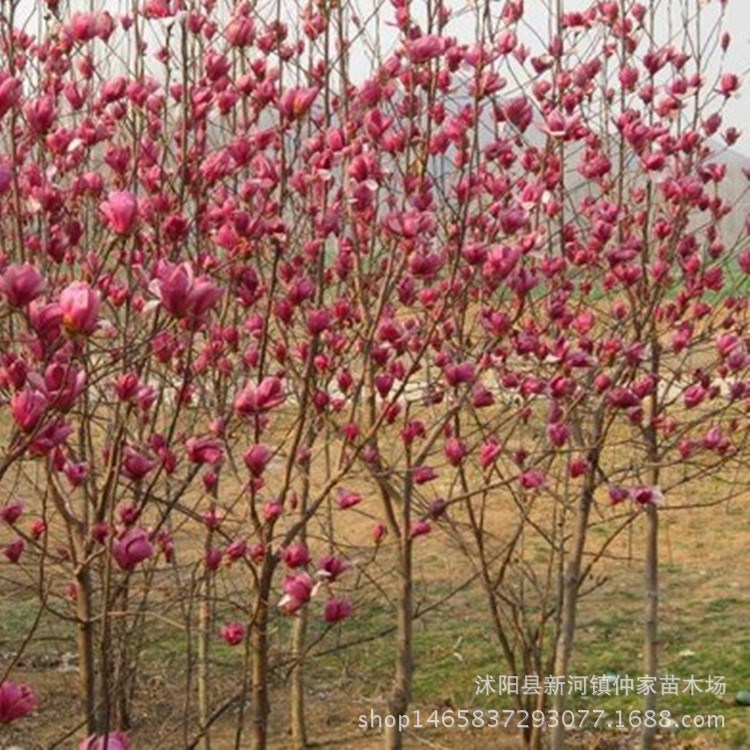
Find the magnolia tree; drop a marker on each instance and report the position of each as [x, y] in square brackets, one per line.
[268, 322]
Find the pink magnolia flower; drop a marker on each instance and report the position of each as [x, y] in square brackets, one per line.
[623, 398]
[212, 518]
[256, 551]
[79, 305]
[62, 383]
[6, 178]
[376, 123]
[558, 433]
[46, 319]
[156, 9]
[424, 474]
[268, 394]
[13, 550]
[16, 701]
[507, 41]
[331, 567]
[111, 741]
[128, 513]
[628, 76]
[456, 374]
[378, 532]
[135, 465]
[204, 450]
[132, 547]
[120, 210]
[256, 458]
[419, 528]
[618, 495]
[318, 321]
[204, 295]
[647, 495]
[298, 589]
[173, 287]
[241, 31]
[295, 102]
[145, 396]
[11, 89]
[350, 431]
[729, 83]
[347, 498]
[455, 451]
[27, 407]
[210, 480]
[181, 294]
[686, 448]
[557, 125]
[126, 386]
[272, 510]
[236, 550]
[233, 633]
[714, 440]
[488, 453]
[81, 27]
[413, 429]
[21, 284]
[50, 436]
[14, 374]
[370, 455]
[532, 480]
[481, 396]
[694, 395]
[726, 344]
[213, 558]
[296, 556]
[383, 384]
[12, 511]
[578, 467]
[337, 610]
[518, 112]
[425, 48]
[40, 114]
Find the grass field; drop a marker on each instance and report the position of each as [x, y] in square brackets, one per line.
[705, 601]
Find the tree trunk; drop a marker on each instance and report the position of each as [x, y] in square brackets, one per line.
[299, 730]
[651, 619]
[259, 702]
[571, 585]
[204, 676]
[123, 672]
[651, 573]
[398, 702]
[534, 741]
[85, 643]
